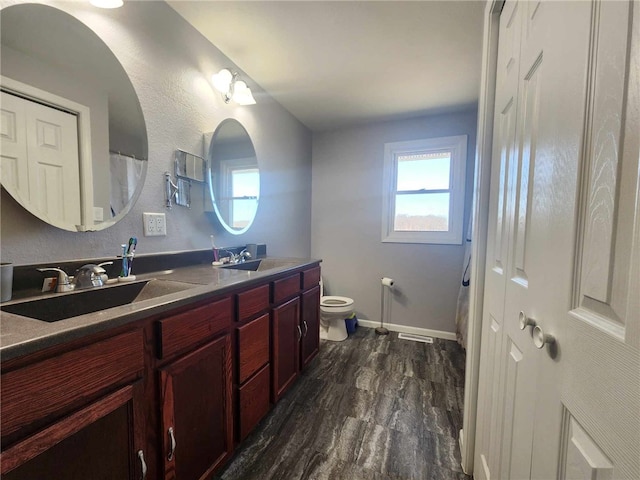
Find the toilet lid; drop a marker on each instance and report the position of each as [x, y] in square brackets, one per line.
[334, 301]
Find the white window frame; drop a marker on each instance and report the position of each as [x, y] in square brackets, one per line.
[457, 145]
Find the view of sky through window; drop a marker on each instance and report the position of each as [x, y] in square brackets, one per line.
[420, 203]
[244, 183]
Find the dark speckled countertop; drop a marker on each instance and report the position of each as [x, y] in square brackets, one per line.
[165, 291]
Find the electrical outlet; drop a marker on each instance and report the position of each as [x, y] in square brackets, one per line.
[155, 224]
[161, 224]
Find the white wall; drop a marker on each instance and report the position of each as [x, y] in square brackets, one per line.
[170, 65]
[347, 223]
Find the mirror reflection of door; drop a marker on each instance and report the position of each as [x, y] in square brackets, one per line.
[39, 151]
[53, 58]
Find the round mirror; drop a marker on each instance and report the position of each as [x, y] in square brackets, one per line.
[233, 176]
[74, 143]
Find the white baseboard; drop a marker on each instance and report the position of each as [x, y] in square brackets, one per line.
[427, 332]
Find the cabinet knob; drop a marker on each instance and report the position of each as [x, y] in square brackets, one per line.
[540, 339]
[299, 333]
[172, 444]
[306, 328]
[525, 321]
[143, 465]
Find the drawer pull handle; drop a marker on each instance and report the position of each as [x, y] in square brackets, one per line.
[143, 465]
[306, 328]
[299, 333]
[172, 440]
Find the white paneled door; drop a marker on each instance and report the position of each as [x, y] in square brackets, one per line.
[40, 163]
[560, 368]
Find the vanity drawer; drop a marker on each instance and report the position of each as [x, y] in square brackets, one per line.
[286, 288]
[37, 394]
[188, 329]
[310, 278]
[253, 399]
[253, 346]
[252, 302]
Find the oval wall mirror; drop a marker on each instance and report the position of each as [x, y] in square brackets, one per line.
[233, 176]
[75, 150]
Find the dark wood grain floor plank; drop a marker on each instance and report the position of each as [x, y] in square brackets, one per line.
[371, 407]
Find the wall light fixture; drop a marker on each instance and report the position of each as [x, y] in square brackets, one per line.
[231, 88]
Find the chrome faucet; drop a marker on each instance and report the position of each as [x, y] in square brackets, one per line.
[241, 257]
[244, 256]
[87, 276]
[64, 283]
[90, 275]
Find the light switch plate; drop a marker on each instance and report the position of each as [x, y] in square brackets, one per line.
[155, 224]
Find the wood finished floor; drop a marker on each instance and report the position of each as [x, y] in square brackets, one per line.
[371, 407]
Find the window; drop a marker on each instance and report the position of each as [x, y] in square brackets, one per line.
[424, 190]
[245, 184]
[240, 190]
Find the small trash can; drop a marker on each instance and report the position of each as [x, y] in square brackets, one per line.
[351, 323]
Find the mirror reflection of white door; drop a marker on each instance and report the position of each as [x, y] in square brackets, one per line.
[13, 147]
[563, 247]
[40, 158]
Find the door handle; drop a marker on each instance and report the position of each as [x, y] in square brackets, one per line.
[306, 328]
[540, 339]
[172, 443]
[143, 465]
[299, 333]
[525, 321]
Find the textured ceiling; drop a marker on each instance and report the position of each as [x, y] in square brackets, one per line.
[339, 63]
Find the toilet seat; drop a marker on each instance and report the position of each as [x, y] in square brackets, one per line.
[335, 301]
[336, 305]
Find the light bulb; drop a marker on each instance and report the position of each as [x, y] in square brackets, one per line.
[222, 80]
[107, 3]
[242, 94]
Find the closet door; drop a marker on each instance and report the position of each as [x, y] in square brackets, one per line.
[555, 48]
[530, 254]
[490, 396]
[570, 409]
[600, 349]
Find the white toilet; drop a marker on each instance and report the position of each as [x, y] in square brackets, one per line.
[333, 311]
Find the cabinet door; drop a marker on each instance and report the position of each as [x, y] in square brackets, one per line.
[253, 401]
[310, 322]
[286, 346]
[103, 441]
[197, 417]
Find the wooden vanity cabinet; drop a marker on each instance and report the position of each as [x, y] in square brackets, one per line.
[286, 346]
[253, 337]
[310, 320]
[310, 315]
[65, 422]
[196, 391]
[162, 396]
[295, 327]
